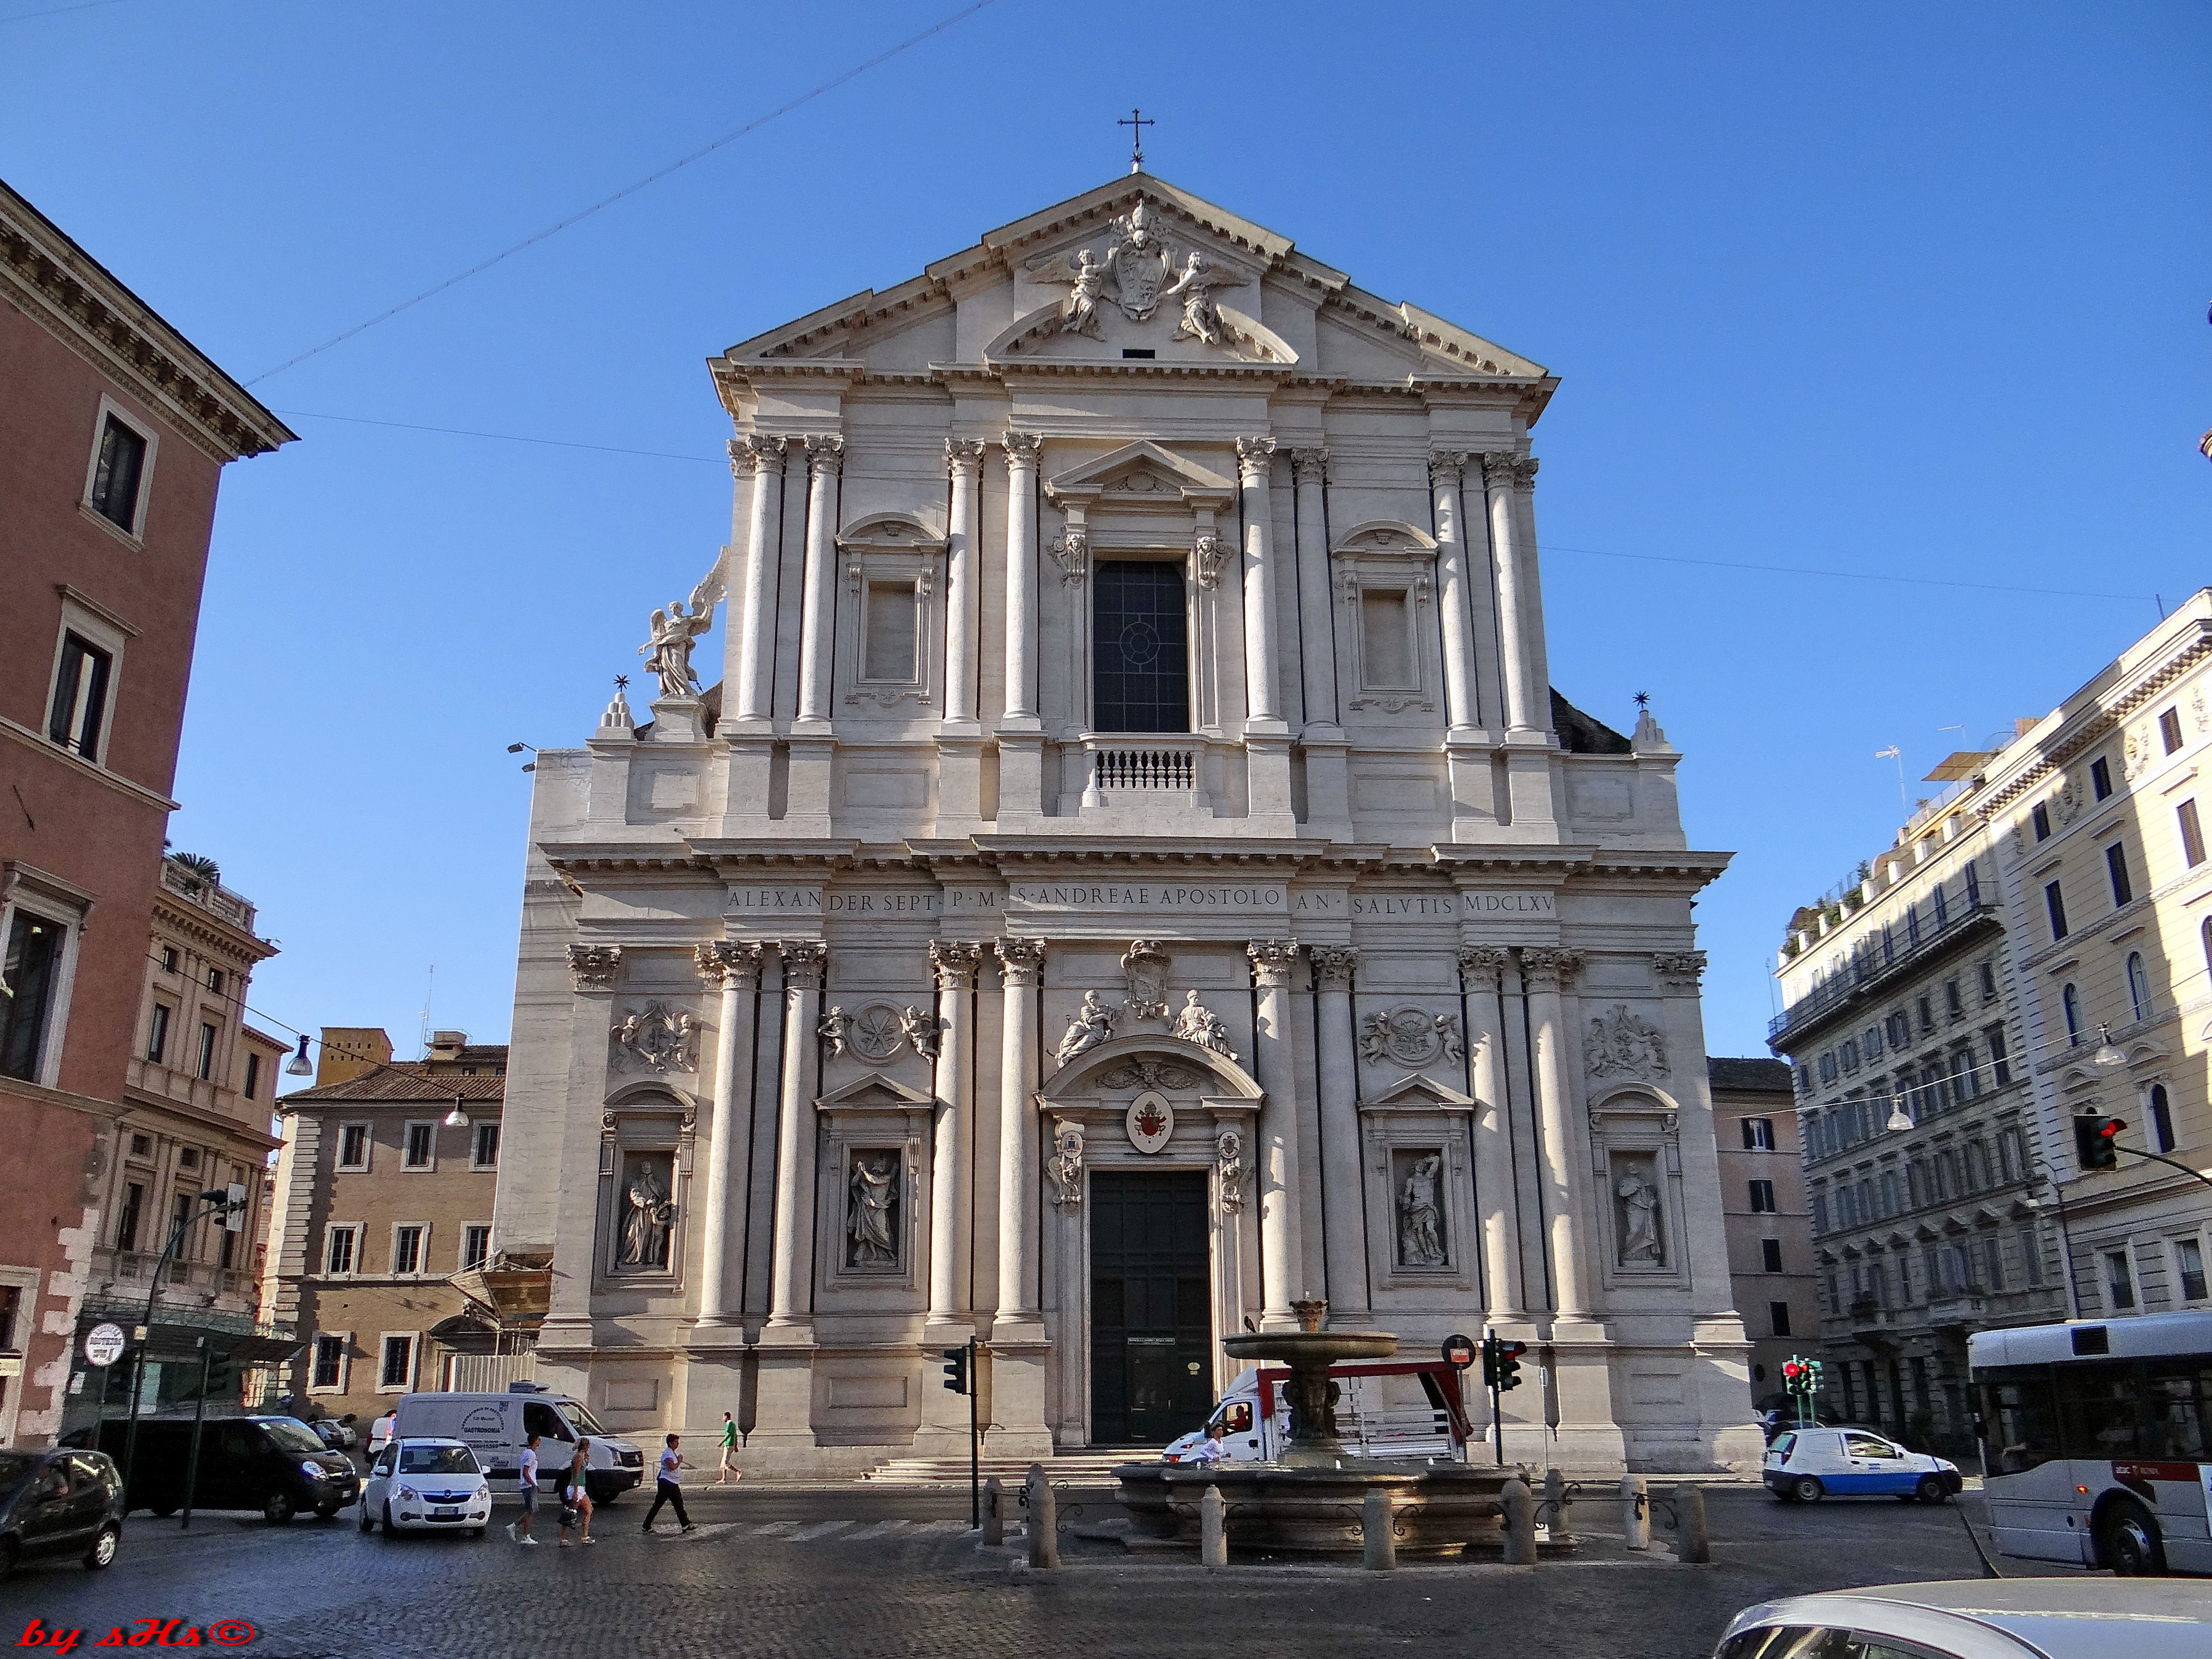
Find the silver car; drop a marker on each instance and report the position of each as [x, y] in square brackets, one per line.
[2071, 1618]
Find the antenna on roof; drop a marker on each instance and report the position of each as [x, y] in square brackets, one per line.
[1136, 121]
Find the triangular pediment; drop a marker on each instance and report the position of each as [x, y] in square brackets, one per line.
[874, 1091]
[1415, 1091]
[1140, 472]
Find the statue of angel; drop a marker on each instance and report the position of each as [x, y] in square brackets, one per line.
[1093, 1025]
[1088, 277]
[674, 632]
[831, 1030]
[920, 1029]
[1201, 320]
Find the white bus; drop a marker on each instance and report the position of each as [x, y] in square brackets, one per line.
[2097, 1441]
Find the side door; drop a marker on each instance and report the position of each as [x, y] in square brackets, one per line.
[45, 1522]
[87, 1501]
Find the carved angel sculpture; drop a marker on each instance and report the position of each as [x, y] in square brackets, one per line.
[831, 1030]
[1078, 312]
[1093, 1025]
[1194, 287]
[920, 1029]
[674, 631]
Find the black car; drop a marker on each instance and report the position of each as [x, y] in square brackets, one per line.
[278, 1465]
[58, 1503]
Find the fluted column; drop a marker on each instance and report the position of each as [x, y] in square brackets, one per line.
[1526, 702]
[1480, 968]
[1263, 696]
[1548, 974]
[1022, 970]
[954, 964]
[965, 457]
[1344, 1209]
[791, 1280]
[1445, 467]
[825, 461]
[761, 456]
[1317, 652]
[1020, 707]
[734, 969]
[1274, 961]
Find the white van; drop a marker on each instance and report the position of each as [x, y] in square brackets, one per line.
[1256, 1416]
[495, 1426]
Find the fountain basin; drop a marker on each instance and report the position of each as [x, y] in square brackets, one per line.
[1439, 1508]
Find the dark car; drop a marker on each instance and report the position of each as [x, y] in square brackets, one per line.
[278, 1465]
[58, 1503]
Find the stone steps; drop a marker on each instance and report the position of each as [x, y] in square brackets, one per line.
[1084, 1468]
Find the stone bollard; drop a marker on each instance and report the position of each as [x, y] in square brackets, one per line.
[994, 1513]
[1213, 1530]
[1519, 1524]
[1556, 1504]
[1693, 1544]
[1378, 1542]
[1044, 1522]
[1635, 1513]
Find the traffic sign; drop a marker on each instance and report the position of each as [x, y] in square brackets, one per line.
[1459, 1352]
[103, 1344]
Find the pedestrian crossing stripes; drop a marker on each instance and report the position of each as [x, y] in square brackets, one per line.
[845, 1531]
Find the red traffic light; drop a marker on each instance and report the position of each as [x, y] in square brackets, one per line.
[1793, 1370]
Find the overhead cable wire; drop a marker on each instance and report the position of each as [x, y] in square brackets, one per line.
[55, 12]
[1847, 575]
[502, 437]
[830, 85]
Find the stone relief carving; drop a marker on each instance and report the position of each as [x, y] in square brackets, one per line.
[803, 963]
[1145, 973]
[825, 454]
[872, 1212]
[1093, 1024]
[1228, 1168]
[1148, 1074]
[920, 1029]
[1636, 1199]
[757, 452]
[658, 1039]
[2197, 708]
[1620, 1044]
[1196, 1024]
[1201, 321]
[1149, 1122]
[595, 966]
[648, 1214]
[1064, 1167]
[1506, 468]
[672, 633]
[1209, 550]
[1133, 275]
[2134, 752]
[1255, 459]
[2066, 803]
[1420, 1218]
[876, 1032]
[831, 1030]
[1071, 550]
[1410, 1036]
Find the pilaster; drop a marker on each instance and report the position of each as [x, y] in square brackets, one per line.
[1274, 964]
[1343, 1213]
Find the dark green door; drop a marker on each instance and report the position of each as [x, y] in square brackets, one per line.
[1152, 1329]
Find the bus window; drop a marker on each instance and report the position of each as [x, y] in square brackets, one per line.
[2100, 1410]
[2020, 1431]
[2180, 1395]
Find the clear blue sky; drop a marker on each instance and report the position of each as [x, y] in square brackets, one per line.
[1906, 291]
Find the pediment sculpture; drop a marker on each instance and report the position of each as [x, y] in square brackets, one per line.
[1145, 967]
[1136, 273]
[1093, 1024]
[657, 1038]
[1620, 1044]
[1410, 1036]
[1199, 1025]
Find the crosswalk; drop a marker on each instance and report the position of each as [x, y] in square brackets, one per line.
[848, 1530]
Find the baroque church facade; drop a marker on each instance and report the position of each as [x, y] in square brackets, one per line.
[1133, 878]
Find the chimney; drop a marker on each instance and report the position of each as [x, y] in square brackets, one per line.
[448, 1045]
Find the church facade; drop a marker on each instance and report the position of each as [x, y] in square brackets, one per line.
[1133, 878]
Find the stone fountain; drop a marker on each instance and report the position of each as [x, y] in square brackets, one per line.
[1308, 1502]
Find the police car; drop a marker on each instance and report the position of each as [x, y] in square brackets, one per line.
[1803, 1466]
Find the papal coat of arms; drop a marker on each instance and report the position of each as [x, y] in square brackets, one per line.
[1136, 273]
[1150, 1121]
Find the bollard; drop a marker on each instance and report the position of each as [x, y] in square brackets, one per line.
[1213, 1530]
[1693, 1544]
[1378, 1544]
[994, 1513]
[1635, 1513]
[1044, 1522]
[1519, 1524]
[1556, 1504]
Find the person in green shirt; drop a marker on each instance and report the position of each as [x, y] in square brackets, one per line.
[729, 1473]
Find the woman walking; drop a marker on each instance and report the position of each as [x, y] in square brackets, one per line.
[576, 1495]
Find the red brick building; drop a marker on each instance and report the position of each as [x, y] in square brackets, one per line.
[114, 431]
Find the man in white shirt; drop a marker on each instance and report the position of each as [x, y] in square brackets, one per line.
[666, 1491]
[519, 1528]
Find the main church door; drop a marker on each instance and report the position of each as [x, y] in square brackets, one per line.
[1152, 1329]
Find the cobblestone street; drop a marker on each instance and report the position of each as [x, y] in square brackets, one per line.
[863, 1571]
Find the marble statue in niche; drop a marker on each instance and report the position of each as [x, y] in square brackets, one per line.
[1420, 1218]
[1197, 1024]
[648, 1215]
[872, 1217]
[1637, 1200]
[1093, 1025]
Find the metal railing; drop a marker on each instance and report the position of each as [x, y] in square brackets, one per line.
[1870, 969]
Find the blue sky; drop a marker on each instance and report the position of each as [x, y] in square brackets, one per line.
[1905, 291]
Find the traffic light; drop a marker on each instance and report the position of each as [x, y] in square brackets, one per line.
[2093, 1135]
[1793, 1376]
[1509, 1364]
[955, 1369]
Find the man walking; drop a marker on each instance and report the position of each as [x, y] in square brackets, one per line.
[730, 1474]
[519, 1528]
[666, 1491]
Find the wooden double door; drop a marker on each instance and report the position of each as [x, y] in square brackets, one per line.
[1151, 1325]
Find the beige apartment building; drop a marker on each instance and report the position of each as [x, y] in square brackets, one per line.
[382, 1225]
[1768, 1219]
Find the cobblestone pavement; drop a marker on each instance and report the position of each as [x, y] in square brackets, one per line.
[859, 1572]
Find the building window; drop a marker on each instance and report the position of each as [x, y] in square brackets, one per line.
[1769, 1256]
[407, 1247]
[2189, 1268]
[329, 1370]
[395, 1366]
[2041, 818]
[1872, 1040]
[421, 1151]
[2100, 778]
[2000, 1067]
[117, 471]
[340, 1250]
[1820, 1212]
[204, 1066]
[2055, 903]
[2161, 1117]
[1954, 1004]
[1140, 669]
[188, 1157]
[2138, 986]
[2116, 866]
[1758, 1134]
[127, 1224]
[1925, 1007]
[2119, 1281]
[1849, 1053]
[142, 1146]
[2169, 730]
[79, 704]
[890, 632]
[1900, 1031]
[2192, 833]
[180, 1218]
[1966, 1083]
[1989, 977]
[483, 1153]
[157, 1036]
[168, 959]
[1828, 1066]
[2069, 1002]
[2031, 1257]
[252, 1076]
[476, 1246]
[32, 974]
[215, 981]
[1386, 640]
[1762, 1198]
[1779, 1313]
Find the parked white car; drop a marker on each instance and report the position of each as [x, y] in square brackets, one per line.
[427, 1486]
[2079, 1617]
[1803, 1466]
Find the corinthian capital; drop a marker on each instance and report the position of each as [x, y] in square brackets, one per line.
[1482, 966]
[1310, 467]
[1254, 457]
[964, 455]
[1678, 970]
[732, 965]
[954, 961]
[1021, 961]
[595, 965]
[756, 452]
[1508, 469]
[1549, 969]
[804, 960]
[1273, 961]
[825, 454]
[1446, 464]
[1332, 965]
[1021, 447]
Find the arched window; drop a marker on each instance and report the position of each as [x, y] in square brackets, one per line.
[2070, 1000]
[2138, 985]
[2161, 1117]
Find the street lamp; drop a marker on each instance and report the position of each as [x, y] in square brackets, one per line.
[1898, 1123]
[2106, 1054]
[300, 1065]
[457, 1119]
[517, 748]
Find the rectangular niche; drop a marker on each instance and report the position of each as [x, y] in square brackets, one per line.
[1421, 1233]
[872, 1240]
[1636, 1189]
[644, 1239]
